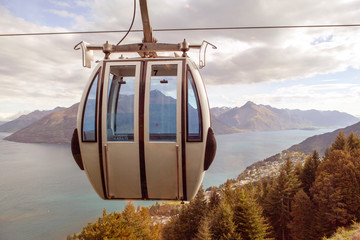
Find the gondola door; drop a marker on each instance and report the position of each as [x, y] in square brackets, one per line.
[121, 131]
[162, 129]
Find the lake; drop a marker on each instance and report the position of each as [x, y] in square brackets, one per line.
[44, 195]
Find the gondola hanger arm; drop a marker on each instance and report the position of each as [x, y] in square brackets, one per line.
[143, 49]
[147, 49]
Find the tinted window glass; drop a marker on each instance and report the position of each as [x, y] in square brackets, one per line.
[162, 104]
[193, 110]
[120, 110]
[89, 118]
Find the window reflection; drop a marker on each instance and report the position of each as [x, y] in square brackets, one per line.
[89, 118]
[162, 103]
[120, 112]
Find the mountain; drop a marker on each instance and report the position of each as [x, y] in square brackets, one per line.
[321, 142]
[253, 117]
[217, 111]
[221, 127]
[297, 153]
[56, 127]
[25, 120]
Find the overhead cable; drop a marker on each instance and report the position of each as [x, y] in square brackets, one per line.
[183, 29]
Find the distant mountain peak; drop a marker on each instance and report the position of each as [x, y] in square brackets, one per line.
[250, 103]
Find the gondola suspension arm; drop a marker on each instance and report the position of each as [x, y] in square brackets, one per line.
[147, 49]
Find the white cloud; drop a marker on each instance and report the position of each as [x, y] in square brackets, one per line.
[66, 14]
[44, 71]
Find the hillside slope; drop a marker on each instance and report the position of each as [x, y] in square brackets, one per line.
[56, 127]
[26, 120]
[253, 117]
[297, 153]
[321, 142]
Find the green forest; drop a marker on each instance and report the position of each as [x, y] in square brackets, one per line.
[315, 199]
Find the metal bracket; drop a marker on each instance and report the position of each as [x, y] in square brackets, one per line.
[203, 48]
[87, 55]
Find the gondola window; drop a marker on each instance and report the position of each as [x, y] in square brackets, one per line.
[162, 108]
[193, 110]
[120, 112]
[89, 117]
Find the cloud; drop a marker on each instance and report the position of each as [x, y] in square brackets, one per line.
[45, 71]
[66, 14]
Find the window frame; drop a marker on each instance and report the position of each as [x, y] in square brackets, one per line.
[119, 138]
[96, 76]
[199, 137]
[163, 137]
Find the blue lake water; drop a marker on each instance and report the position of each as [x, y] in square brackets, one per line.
[44, 195]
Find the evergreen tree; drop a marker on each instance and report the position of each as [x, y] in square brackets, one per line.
[309, 171]
[336, 190]
[214, 200]
[353, 142]
[130, 224]
[340, 142]
[298, 169]
[330, 212]
[222, 225]
[301, 226]
[204, 230]
[187, 223]
[228, 193]
[277, 205]
[250, 224]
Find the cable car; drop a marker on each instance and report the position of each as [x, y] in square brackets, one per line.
[143, 125]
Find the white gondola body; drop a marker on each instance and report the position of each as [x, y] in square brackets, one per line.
[144, 129]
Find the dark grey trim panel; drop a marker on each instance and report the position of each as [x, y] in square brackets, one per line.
[99, 116]
[142, 83]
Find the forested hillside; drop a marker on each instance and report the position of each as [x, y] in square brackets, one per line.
[304, 201]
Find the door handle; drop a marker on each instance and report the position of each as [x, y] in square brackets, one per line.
[106, 170]
[177, 170]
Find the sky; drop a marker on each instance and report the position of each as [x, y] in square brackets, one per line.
[308, 68]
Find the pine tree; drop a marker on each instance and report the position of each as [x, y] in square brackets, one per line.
[336, 191]
[340, 142]
[222, 225]
[277, 205]
[228, 193]
[129, 224]
[250, 224]
[204, 230]
[309, 171]
[353, 142]
[214, 200]
[301, 226]
[330, 212]
[187, 223]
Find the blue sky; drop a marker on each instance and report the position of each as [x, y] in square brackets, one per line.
[47, 13]
[286, 68]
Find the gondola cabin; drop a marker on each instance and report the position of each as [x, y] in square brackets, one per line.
[143, 129]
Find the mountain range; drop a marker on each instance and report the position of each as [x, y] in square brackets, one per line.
[26, 120]
[57, 126]
[253, 117]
